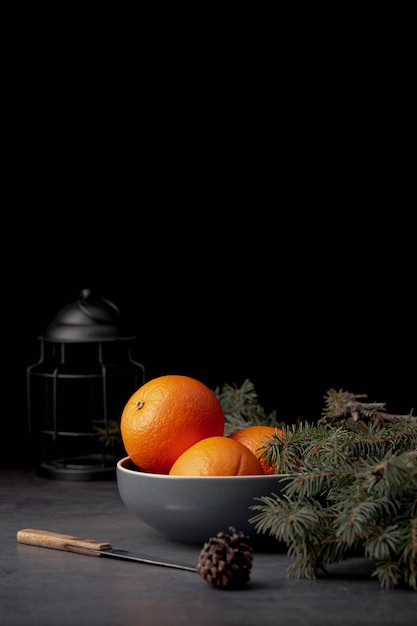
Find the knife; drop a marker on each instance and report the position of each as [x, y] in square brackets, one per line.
[90, 547]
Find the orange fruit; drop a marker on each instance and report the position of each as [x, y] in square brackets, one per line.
[164, 417]
[216, 456]
[255, 438]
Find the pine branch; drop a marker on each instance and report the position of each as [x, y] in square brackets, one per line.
[343, 406]
[349, 484]
[110, 436]
[303, 446]
[330, 508]
[241, 407]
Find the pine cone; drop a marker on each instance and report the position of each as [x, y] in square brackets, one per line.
[225, 561]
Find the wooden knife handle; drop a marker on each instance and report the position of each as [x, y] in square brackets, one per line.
[46, 539]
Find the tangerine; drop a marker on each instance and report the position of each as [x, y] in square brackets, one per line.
[216, 456]
[255, 438]
[164, 417]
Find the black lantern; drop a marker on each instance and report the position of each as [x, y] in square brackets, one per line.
[77, 390]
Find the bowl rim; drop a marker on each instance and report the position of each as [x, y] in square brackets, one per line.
[135, 470]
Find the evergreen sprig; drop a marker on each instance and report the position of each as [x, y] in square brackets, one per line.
[348, 484]
[349, 409]
[336, 502]
[110, 436]
[305, 445]
[241, 407]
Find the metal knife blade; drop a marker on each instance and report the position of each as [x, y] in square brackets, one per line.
[89, 547]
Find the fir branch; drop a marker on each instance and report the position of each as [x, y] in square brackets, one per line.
[346, 407]
[327, 514]
[305, 445]
[110, 436]
[241, 407]
[349, 484]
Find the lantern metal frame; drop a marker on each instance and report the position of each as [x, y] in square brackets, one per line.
[76, 392]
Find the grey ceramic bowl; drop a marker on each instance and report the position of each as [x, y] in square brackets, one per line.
[191, 509]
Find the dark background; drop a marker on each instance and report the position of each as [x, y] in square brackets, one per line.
[249, 213]
[296, 301]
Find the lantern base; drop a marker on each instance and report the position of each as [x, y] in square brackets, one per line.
[89, 467]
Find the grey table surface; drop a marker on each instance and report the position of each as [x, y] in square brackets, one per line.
[46, 587]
